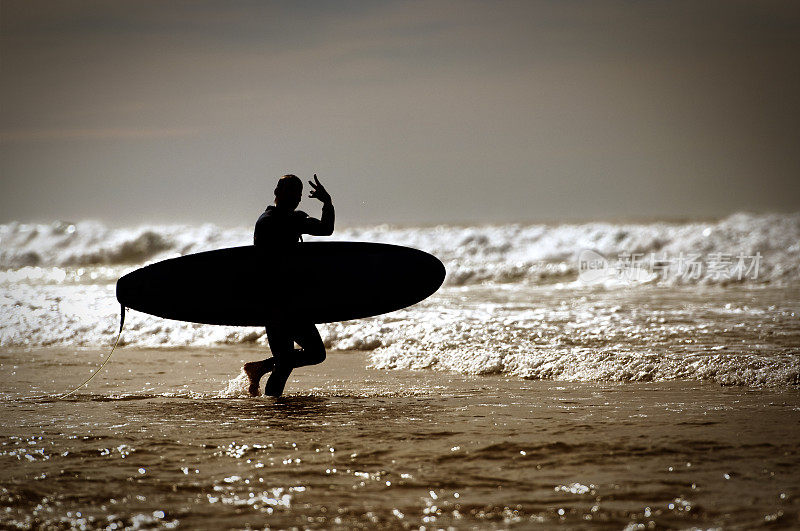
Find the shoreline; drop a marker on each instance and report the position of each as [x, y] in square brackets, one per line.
[215, 362]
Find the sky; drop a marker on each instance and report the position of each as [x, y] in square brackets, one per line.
[139, 112]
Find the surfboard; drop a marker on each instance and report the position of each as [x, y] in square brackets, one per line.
[319, 281]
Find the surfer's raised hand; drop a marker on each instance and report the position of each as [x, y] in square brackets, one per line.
[318, 191]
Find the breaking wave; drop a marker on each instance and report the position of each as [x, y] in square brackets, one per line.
[515, 301]
[511, 253]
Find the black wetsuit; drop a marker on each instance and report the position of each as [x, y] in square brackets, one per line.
[277, 232]
[277, 229]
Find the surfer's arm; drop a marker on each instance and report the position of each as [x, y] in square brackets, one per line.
[323, 226]
[259, 236]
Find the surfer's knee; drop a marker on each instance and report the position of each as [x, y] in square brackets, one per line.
[314, 351]
[313, 347]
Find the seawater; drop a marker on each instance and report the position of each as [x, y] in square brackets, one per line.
[519, 395]
[167, 438]
[514, 302]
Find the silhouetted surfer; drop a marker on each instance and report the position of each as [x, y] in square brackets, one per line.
[278, 230]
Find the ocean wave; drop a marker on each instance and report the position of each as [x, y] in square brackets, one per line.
[742, 337]
[514, 301]
[604, 365]
[734, 336]
[514, 253]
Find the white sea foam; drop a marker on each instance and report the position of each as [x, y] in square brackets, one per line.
[236, 387]
[90, 243]
[512, 302]
[494, 253]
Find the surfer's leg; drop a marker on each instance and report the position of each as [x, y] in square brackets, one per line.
[278, 378]
[312, 350]
[281, 345]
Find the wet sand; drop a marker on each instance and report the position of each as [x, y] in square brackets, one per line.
[165, 438]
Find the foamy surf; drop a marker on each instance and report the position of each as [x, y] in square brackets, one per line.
[583, 302]
[512, 253]
[236, 387]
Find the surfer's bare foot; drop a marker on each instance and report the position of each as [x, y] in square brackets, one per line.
[254, 370]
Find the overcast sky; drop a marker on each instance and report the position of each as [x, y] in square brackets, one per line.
[410, 112]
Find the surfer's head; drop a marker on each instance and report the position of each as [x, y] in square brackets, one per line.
[288, 192]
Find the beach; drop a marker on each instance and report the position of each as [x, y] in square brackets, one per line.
[167, 438]
[552, 380]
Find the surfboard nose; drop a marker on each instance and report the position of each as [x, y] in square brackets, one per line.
[432, 272]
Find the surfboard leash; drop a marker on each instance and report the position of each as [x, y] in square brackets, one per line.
[119, 335]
